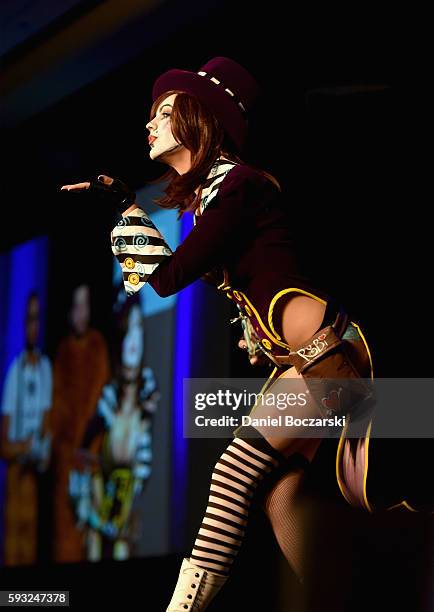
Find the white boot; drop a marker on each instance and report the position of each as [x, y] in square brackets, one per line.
[195, 589]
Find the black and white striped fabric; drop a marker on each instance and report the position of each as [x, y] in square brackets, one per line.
[218, 172]
[236, 475]
[139, 248]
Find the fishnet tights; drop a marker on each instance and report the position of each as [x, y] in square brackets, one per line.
[282, 506]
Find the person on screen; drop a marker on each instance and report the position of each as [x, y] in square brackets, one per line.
[25, 439]
[106, 491]
[81, 369]
[244, 242]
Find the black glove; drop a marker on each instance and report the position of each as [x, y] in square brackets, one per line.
[119, 195]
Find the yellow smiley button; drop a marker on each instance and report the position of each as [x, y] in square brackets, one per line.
[129, 263]
[266, 343]
[134, 278]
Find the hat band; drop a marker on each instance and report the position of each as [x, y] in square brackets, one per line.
[226, 89]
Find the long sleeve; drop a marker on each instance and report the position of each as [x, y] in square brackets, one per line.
[139, 248]
[207, 244]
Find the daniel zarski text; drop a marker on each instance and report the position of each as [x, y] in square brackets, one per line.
[281, 401]
[286, 420]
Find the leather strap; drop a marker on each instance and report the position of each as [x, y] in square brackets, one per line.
[318, 345]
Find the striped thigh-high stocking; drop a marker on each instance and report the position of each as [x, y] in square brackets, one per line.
[236, 475]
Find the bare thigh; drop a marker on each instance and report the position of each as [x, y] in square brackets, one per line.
[302, 316]
[290, 442]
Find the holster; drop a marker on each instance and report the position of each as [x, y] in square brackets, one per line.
[330, 375]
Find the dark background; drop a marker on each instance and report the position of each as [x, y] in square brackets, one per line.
[335, 125]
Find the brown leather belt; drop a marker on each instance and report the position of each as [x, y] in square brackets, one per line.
[259, 339]
[324, 340]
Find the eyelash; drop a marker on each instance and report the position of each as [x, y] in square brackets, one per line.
[166, 114]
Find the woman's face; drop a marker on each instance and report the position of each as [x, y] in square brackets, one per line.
[161, 139]
[133, 345]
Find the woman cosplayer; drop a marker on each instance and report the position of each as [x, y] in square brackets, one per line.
[241, 241]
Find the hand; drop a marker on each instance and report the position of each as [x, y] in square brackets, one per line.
[76, 187]
[27, 445]
[111, 189]
[39, 453]
[23, 450]
[258, 359]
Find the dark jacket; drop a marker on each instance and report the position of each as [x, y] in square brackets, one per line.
[244, 228]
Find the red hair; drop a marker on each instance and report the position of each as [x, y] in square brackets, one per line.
[197, 129]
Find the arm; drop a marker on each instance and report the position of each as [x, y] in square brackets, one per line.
[12, 450]
[47, 391]
[205, 247]
[142, 467]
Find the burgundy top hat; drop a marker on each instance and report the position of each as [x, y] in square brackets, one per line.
[225, 87]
